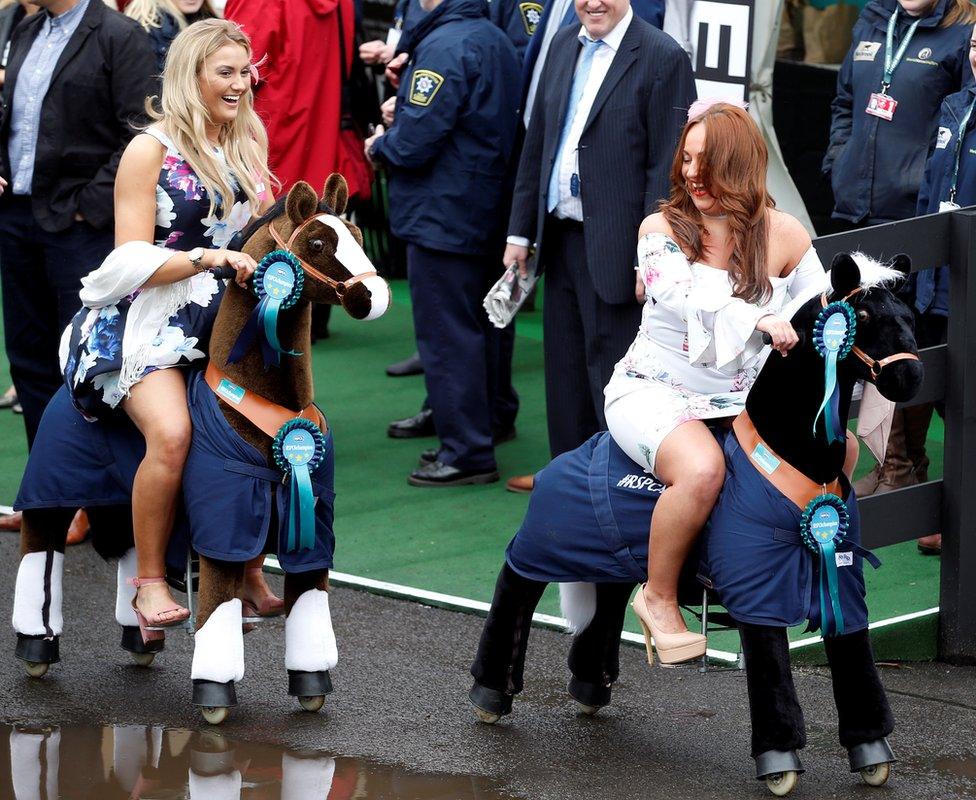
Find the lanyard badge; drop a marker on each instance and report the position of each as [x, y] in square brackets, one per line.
[951, 204]
[881, 104]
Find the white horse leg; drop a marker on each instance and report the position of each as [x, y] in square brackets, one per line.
[37, 615]
[34, 762]
[310, 649]
[218, 660]
[307, 777]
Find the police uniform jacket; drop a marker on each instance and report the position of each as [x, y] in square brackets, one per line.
[451, 140]
[518, 19]
[932, 285]
[875, 165]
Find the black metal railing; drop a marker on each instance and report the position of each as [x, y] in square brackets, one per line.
[948, 505]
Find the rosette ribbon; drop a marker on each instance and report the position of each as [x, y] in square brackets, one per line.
[277, 282]
[833, 336]
[298, 449]
[822, 527]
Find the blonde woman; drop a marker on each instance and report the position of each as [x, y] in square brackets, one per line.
[184, 187]
[164, 19]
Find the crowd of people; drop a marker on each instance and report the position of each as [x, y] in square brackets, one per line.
[562, 138]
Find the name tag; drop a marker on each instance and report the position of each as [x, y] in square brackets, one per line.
[845, 559]
[882, 106]
[230, 392]
[392, 38]
[866, 51]
[943, 139]
[765, 459]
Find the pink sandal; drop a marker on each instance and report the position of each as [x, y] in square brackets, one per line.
[270, 606]
[153, 627]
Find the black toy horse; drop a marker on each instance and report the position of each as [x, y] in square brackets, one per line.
[785, 571]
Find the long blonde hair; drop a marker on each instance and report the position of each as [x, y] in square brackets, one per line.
[149, 13]
[184, 115]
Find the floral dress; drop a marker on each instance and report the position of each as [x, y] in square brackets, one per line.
[697, 352]
[96, 341]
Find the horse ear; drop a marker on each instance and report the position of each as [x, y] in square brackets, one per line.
[302, 202]
[845, 275]
[336, 193]
[902, 263]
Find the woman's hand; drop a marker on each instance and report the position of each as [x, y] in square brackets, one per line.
[640, 290]
[780, 331]
[242, 263]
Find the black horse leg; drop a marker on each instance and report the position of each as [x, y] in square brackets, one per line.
[594, 656]
[777, 720]
[500, 661]
[865, 717]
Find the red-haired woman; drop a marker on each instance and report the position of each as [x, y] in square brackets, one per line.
[716, 265]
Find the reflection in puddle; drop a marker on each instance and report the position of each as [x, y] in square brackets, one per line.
[152, 763]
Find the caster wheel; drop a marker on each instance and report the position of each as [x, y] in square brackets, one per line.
[36, 669]
[143, 659]
[876, 774]
[215, 715]
[589, 711]
[487, 717]
[782, 783]
[312, 703]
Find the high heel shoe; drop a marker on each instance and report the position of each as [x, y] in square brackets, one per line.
[672, 648]
[153, 627]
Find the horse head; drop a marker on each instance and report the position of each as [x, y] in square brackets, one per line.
[329, 249]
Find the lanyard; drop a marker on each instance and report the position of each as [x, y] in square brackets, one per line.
[958, 153]
[891, 63]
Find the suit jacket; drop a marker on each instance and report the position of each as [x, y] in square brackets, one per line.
[98, 90]
[626, 148]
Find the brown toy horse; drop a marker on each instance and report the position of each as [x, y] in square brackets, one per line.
[237, 409]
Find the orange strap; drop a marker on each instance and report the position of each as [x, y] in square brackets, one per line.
[259, 411]
[796, 486]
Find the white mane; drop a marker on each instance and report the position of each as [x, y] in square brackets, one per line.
[874, 273]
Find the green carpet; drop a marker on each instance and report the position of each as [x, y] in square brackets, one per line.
[453, 540]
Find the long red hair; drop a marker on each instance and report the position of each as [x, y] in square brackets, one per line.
[733, 169]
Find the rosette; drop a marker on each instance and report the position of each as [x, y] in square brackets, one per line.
[298, 449]
[822, 527]
[833, 336]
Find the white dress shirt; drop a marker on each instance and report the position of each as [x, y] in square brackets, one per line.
[559, 9]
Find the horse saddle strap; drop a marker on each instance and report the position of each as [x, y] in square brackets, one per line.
[796, 486]
[259, 411]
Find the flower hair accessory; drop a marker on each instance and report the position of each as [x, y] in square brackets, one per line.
[697, 109]
[255, 76]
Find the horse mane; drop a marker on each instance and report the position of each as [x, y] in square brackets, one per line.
[277, 209]
[874, 273]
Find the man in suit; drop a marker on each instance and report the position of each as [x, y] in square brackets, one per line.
[607, 114]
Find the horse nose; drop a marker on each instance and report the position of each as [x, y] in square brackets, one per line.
[368, 299]
[901, 380]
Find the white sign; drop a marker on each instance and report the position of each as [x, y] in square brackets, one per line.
[721, 40]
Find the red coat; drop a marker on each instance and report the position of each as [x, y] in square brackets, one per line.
[299, 93]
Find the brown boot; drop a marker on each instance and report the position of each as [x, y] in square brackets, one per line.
[896, 470]
[917, 420]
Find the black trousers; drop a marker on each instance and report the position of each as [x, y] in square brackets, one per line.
[583, 338]
[40, 274]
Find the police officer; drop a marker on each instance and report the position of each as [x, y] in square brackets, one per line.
[447, 152]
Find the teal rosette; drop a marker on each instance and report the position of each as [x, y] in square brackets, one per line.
[277, 283]
[298, 449]
[833, 337]
[823, 524]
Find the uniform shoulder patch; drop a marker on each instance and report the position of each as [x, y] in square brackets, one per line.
[423, 86]
[531, 13]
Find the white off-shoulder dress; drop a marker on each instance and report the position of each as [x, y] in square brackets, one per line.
[697, 351]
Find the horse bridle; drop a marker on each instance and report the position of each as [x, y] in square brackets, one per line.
[874, 364]
[339, 287]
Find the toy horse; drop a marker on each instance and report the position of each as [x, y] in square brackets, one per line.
[255, 429]
[782, 545]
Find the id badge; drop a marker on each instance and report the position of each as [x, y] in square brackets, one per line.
[882, 106]
[948, 205]
[392, 38]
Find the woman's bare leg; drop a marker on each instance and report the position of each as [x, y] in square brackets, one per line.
[850, 459]
[157, 406]
[691, 465]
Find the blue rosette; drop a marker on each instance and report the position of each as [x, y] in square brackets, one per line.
[298, 449]
[823, 525]
[833, 337]
[277, 283]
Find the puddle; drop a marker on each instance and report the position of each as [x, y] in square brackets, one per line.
[140, 762]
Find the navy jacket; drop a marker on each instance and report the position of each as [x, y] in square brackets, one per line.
[518, 19]
[451, 140]
[875, 165]
[932, 286]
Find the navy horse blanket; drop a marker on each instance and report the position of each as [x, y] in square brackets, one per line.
[588, 521]
[227, 484]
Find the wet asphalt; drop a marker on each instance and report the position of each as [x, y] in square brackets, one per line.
[400, 699]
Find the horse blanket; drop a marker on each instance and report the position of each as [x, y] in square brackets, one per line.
[588, 521]
[227, 484]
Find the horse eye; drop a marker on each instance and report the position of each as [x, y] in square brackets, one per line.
[316, 245]
[863, 315]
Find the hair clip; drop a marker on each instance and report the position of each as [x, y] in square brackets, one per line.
[697, 109]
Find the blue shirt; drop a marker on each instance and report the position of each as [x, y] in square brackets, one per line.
[33, 81]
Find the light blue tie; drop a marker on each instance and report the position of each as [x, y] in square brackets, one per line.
[575, 95]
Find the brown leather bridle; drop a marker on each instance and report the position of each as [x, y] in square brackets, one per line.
[339, 287]
[874, 364]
